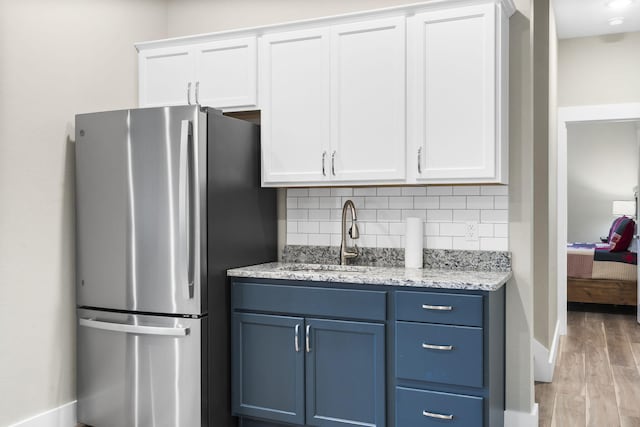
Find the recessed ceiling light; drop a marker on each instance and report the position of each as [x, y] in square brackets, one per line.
[619, 4]
[616, 21]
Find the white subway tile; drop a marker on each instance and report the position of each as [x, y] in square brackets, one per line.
[494, 190]
[460, 243]
[426, 202]
[297, 239]
[414, 191]
[320, 192]
[480, 202]
[292, 227]
[319, 214]
[308, 202]
[439, 242]
[501, 202]
[297, 214]
[453, 202]
[485, 230]
[297, 192]
[494, 244]
[358, 201]
[389, 215]
[389, 241]
[401, 202]
[377, 228]
[341, 192]
[493, 216]
[414, 213]
[336, 214]
[396, 228]
[292, 202]
[330, 227]
[336, 239]
[501, 230]
[439, 215]
[364, 191]
[308, 227]
[452, 229]
[440, 190]
[376, 202]
[465, 215]
[366, 241]
[320, 239]
[432, 229]
[330, 203]
[365, 215]
[466, 190]
[389, 191]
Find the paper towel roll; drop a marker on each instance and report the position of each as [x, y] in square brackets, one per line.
[414, 230]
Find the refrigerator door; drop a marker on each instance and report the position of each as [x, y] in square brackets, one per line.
[138, 370]
[141, 181]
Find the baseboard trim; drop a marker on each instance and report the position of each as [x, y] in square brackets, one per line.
[521, 419]
[544, 361]
[62, 416]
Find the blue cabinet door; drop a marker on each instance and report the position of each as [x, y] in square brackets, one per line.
[345, 368]
[268, 368]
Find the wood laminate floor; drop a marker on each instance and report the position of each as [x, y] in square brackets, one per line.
[597, 375]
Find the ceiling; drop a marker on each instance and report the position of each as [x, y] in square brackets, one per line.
[581, 18]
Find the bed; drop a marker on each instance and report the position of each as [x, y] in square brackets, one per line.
[596, 275]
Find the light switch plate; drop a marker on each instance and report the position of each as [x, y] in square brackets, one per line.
[471, 231]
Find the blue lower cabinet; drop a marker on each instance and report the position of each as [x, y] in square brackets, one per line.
[424, 408]
[345, 367]
[268, 368]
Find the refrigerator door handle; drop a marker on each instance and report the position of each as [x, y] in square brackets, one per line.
[186, 220]
[134, 329]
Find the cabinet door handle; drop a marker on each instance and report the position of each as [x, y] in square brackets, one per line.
[437, 347]
[420, 160]
[333, 163]
[437, 307]
[189, 93]
[197, 93]
[296, 340]
[436, 415]
[307, 341]
[324, 155]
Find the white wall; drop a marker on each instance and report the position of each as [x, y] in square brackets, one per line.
[602, 167]
[599, 70]
[57, 58]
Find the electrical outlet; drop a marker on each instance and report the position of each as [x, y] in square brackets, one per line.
[471, 231]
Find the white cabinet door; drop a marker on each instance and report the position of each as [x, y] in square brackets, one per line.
[226, 73]
[164, 76]
[294, 93]
[368, 100]
[453, 96]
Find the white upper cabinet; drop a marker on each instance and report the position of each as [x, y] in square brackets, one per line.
[294, 87]
[164, 76]
[368, 100]
[457, 80]
[220, 74]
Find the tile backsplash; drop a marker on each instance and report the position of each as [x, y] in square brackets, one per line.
[314, 214]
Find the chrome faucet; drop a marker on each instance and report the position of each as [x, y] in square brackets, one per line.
[345, 253]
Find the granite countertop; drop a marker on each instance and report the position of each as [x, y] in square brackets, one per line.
[391, 276]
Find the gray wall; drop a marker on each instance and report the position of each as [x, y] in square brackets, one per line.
[602, 167]
[57, 58]
[599, 70]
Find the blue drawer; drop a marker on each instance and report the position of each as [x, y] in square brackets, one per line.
[310, 301]
[436, 307]
[439, 353]
[421, 408]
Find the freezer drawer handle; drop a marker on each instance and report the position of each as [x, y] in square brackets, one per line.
[134, 329]
[437, 416]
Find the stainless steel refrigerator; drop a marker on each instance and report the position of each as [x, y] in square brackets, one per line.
[167, 200]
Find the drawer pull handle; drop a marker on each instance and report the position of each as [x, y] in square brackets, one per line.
[437, 347]
[438, 416]
[437, 307]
